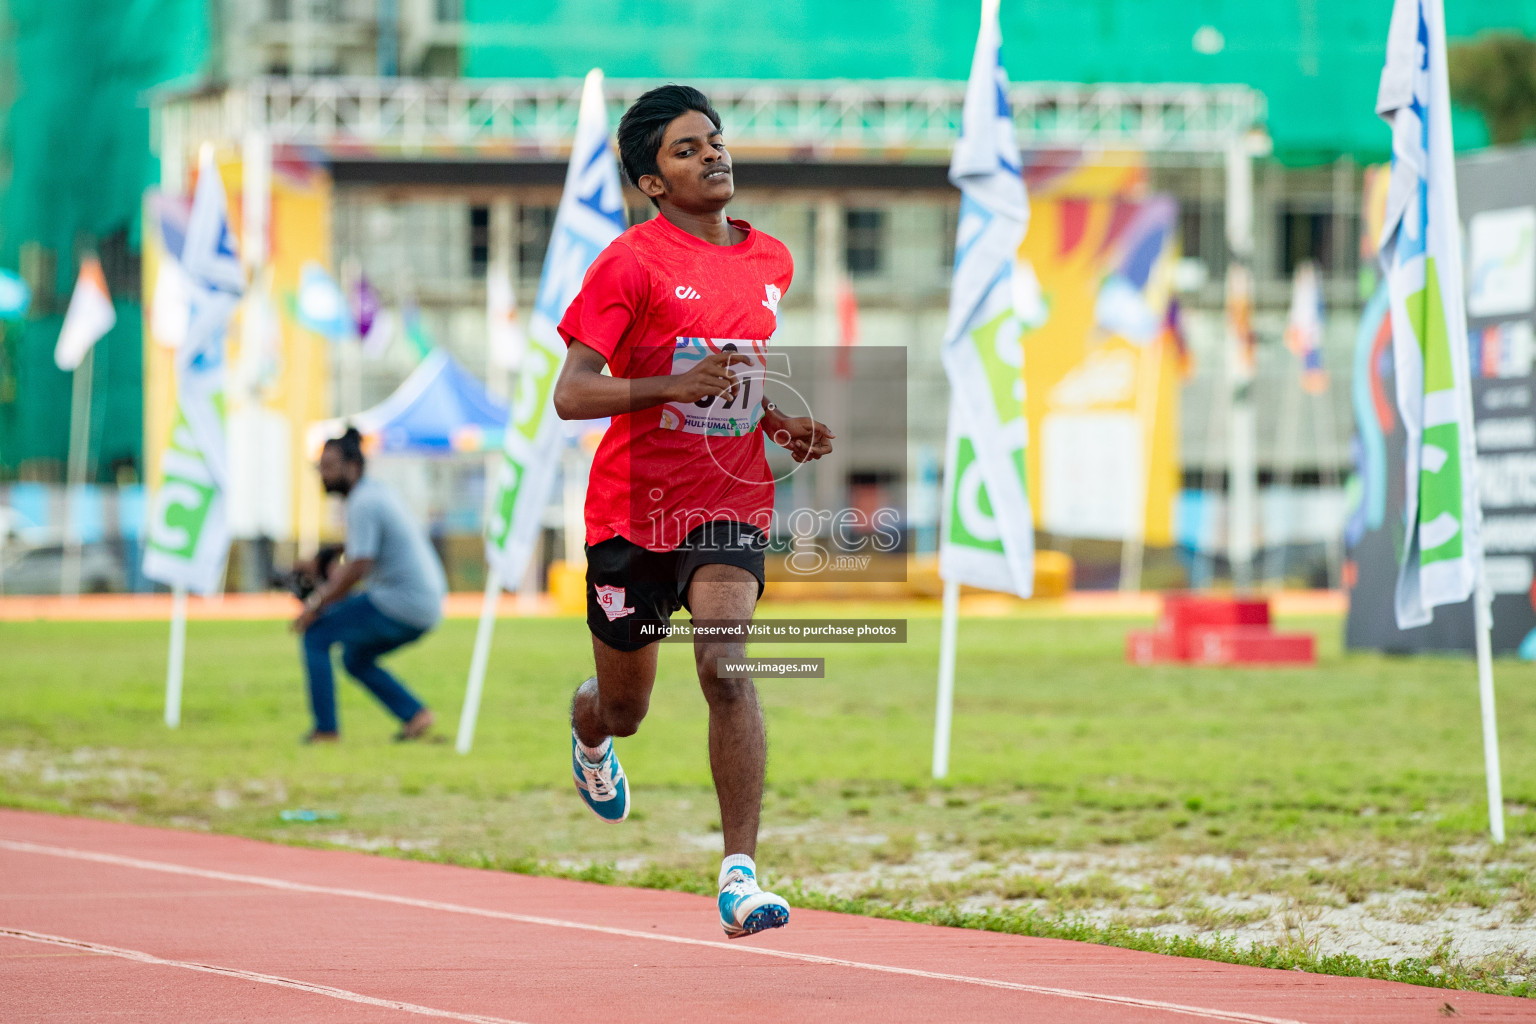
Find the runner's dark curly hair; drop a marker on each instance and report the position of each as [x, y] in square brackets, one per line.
[643, 124]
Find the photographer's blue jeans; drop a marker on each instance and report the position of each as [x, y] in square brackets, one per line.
[365, 635]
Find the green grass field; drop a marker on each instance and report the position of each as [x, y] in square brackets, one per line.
[1087, 798]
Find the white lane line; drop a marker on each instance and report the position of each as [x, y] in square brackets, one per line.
[555, 922]
[233, 972]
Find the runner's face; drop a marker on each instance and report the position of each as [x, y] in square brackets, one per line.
[695, 167]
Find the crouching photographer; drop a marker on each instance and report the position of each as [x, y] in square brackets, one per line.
[403, 598]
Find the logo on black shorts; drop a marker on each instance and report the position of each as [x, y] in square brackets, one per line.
[611, 601]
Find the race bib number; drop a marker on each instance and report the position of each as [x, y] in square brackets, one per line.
[719, 415]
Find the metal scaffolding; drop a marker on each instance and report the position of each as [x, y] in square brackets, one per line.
[858, 122]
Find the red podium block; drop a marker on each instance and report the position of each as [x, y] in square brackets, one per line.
[1150, 647]
[1217, 631]
[1185, 611]
[1250, 645]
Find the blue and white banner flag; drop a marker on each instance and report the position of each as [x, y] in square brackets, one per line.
[320, 306]
[590, 215]
[993, 545]
[188, 533]
[1421, 261]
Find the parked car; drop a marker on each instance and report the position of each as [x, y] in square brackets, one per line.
[17, 528]
[39, 569]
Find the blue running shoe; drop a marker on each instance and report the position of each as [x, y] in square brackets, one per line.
[603, 786]
[745, 909]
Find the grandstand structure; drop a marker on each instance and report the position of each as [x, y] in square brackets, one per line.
[842, 121]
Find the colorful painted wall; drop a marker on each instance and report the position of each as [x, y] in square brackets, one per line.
[1102, 372]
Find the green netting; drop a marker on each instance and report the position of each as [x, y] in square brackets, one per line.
[34, 426]
[1317, 61]
[74, 163]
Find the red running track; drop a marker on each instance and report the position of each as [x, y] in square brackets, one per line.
[111, 922]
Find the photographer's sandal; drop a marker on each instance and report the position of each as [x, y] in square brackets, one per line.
[420, 722]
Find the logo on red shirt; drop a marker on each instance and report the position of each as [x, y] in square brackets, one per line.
[611, 601]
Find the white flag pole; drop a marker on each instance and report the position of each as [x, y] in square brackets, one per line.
[1277, 533]
[178, 656]
[944, 713]
[1483, 616]
[591, 213]
[1482, 598]
[1323, 430]
[1482, 625]
[480, 659]
[1242, 464]
[985, 167]
[498, 382]
[79, 453]
[1149, 368]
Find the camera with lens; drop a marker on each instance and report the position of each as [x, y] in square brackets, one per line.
[301, 582]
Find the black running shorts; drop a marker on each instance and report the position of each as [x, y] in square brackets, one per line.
[629, 587]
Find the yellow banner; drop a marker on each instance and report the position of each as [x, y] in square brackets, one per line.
[1102, 371]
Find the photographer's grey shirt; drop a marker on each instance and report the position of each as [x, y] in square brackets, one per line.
[407, 580]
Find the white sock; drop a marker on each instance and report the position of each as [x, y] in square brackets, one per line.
[735, 860]
[593, 754]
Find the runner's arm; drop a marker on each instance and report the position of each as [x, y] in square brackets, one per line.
[584, 392]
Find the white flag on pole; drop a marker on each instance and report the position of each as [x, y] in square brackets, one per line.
[1421, 260]
[988, 537]
[188, 531]
[89, 317]
[171, 305]
[590, 215]
[509, 342]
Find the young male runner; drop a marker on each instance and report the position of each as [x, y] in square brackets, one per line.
[680, 493]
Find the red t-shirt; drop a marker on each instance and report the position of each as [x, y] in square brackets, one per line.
[653, 303]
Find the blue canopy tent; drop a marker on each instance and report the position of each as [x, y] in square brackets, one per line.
[440, 409]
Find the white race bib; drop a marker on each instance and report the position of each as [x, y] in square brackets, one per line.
[719, 415]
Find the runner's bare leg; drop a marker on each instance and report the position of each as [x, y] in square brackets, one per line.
[616, 701]
[738, 744]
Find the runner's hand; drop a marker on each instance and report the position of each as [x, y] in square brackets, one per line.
[805, 439]
[712, 377]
